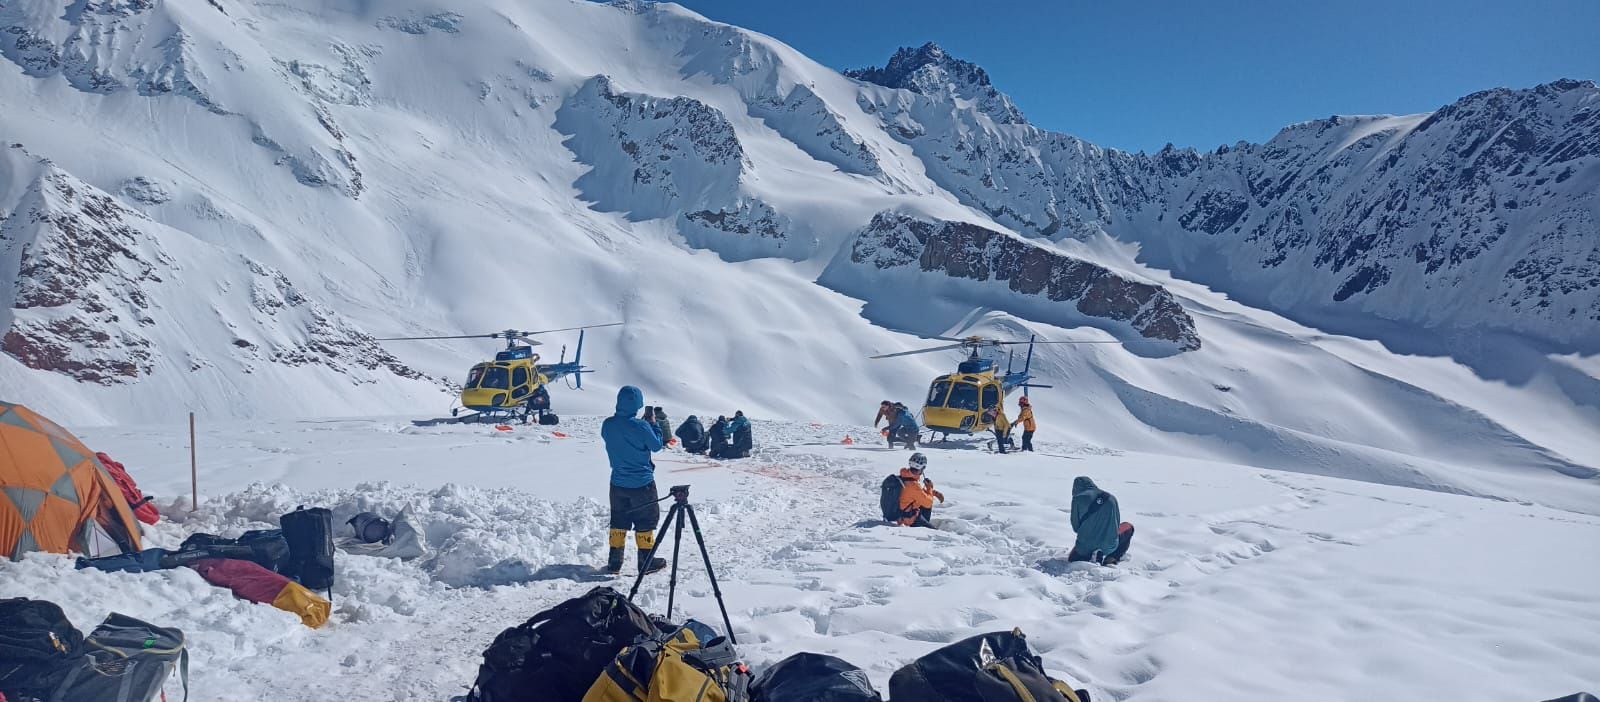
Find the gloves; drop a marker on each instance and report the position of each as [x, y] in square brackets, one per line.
[939, 495]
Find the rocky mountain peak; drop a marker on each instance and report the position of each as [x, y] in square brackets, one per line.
[930, 70]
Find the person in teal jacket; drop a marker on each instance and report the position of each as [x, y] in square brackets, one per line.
[1102, 535]
[635, 505]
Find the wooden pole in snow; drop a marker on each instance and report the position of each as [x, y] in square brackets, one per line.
[194, 471]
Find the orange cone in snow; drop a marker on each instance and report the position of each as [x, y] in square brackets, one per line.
[848, 441]
[502, 427]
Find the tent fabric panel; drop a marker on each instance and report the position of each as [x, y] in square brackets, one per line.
[11, 527]
[27, 459]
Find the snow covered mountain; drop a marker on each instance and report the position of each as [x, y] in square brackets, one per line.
[1484, 215]
[217, 206]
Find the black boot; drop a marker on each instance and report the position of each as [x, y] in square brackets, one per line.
[649, 565]
[614, 561]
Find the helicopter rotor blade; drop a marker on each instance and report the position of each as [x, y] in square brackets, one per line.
[433, 338]
[1094, 341]
[927, 350]
[586, 326]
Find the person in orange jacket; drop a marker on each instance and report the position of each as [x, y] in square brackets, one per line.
[1025, 418]
[917, 493]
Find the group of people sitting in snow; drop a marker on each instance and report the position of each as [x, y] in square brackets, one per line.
[727, 438]
[1102, 536]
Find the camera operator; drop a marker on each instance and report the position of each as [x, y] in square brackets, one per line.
[634, 504]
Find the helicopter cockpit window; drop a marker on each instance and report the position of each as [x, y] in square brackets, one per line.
[519, 379]
[964, 397]
[495, 377]
[473, 376]
[937, 393]
[991, 396]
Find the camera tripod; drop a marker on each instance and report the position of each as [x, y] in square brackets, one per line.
[680, 507]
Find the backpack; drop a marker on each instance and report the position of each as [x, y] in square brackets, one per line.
[674, 668]
[125, 660]
[309, 533]
[556, 655]
[813, 677]
[889, 499]
[985, 668]
[37, 643]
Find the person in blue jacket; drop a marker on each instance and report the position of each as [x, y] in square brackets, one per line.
[635, 505]
[1102, 535]
[904, 429]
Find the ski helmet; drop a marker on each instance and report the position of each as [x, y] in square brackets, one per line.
[370, 528]
[919, 461]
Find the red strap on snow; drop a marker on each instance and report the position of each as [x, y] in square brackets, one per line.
[558, 435]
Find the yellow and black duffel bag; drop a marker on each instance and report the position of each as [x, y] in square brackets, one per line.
[674, 668]
[994, 667]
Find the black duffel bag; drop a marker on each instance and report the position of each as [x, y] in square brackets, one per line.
[264, 547]
[37, 645]
[557, 655]
[995, 667]
[813, 677]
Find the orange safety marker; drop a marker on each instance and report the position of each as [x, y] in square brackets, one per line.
[558, 435]
[848, 441]
[501, 427]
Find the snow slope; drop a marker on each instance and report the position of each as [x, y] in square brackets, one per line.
[264, 187]
[1238, 577]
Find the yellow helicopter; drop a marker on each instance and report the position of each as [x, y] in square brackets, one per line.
[957, 402]
[512, 386]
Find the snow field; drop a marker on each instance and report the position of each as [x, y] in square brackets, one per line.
[1242, 582]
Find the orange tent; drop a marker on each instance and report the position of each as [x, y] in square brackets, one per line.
[53, 491]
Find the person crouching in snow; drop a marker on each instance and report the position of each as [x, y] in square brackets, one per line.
[917, 493]
[635, 505]
[692, 434]
[1102, 535]
[717, 439]
[743, 442]
[904, 429]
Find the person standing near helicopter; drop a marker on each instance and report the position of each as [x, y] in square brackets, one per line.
[1025, 418]
[996, 417]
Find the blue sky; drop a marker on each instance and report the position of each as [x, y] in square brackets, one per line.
[1136, 74]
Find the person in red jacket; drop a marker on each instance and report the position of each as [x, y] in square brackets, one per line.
[917, 493]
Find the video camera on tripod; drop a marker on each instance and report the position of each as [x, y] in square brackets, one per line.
[680, 507]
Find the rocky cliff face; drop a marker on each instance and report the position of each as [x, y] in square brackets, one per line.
[994, 259]
[1482, 215]
[79, 304]
[97, 297]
